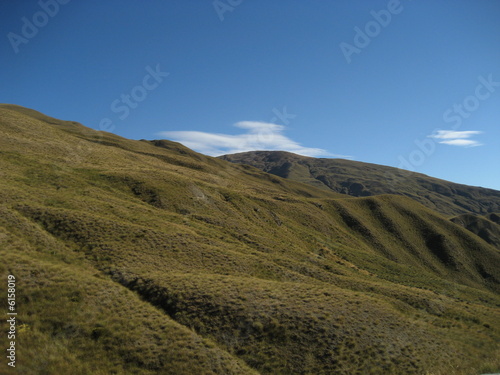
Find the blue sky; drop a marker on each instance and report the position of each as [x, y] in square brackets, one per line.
[411, 84]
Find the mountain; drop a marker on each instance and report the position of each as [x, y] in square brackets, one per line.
[145, 257]
[364, 179]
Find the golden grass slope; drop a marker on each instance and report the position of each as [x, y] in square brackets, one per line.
[146, 257]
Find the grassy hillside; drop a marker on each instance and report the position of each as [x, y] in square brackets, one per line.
[144, 257]
[364, 179]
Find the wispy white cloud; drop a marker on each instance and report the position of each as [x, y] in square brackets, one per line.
[452, 134]
[461, 142]
[258, 136]
[456, 138]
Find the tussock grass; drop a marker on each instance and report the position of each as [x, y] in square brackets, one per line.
[138, 257]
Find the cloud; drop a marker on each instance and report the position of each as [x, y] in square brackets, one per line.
[451, 134]
[461, 142]
[456, 138]
[258, 136]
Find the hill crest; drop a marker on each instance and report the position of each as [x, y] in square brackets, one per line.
[361, 179]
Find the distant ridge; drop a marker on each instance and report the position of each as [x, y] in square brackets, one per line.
[360, 179]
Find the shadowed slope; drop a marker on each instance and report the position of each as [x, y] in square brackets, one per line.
[487, 227]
